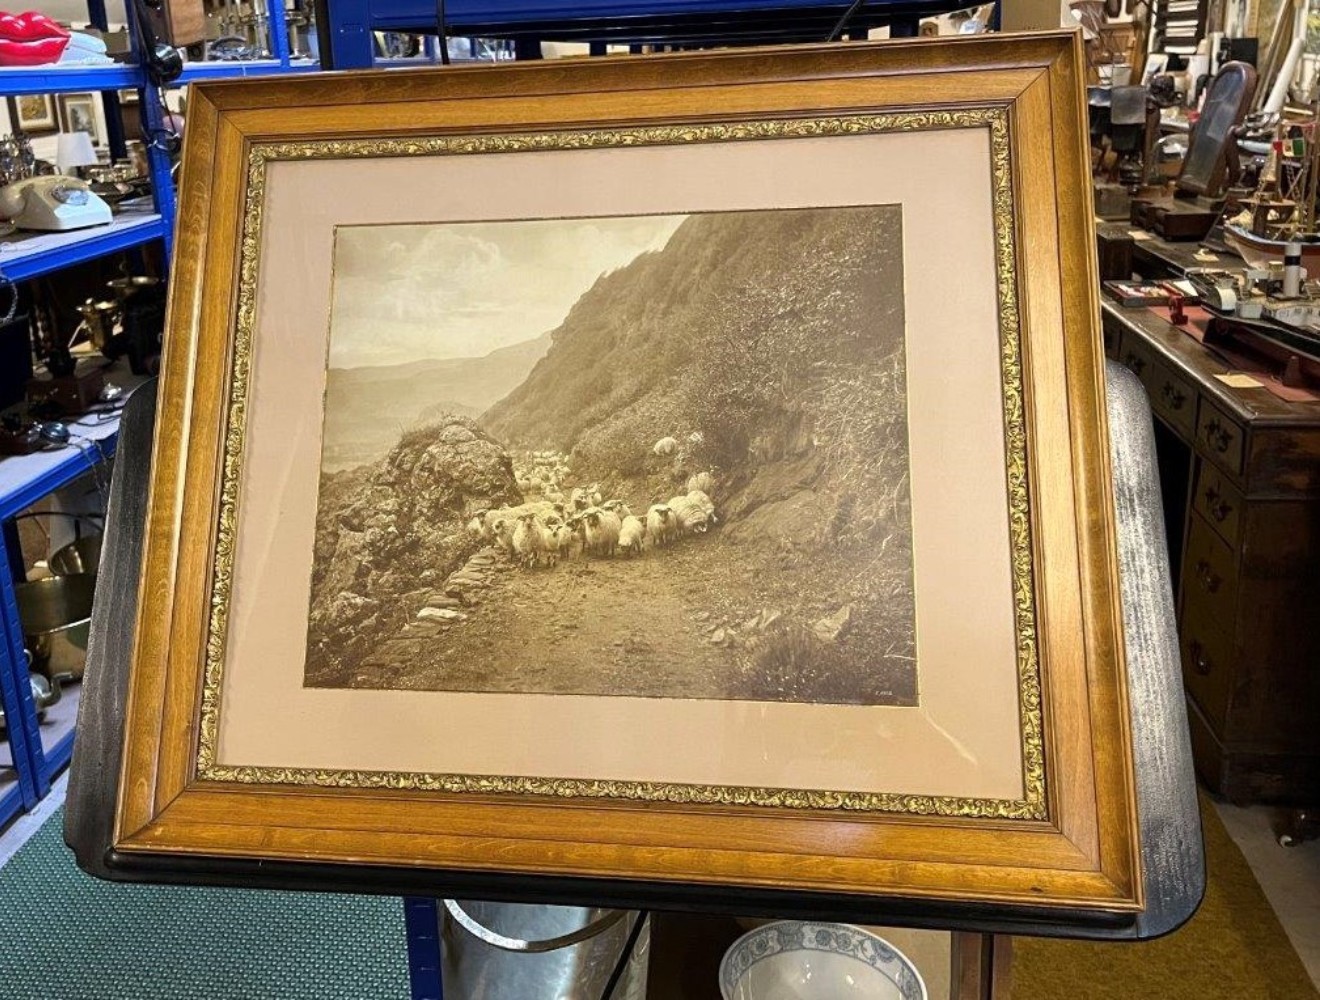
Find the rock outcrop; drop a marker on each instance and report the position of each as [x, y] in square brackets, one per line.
[389, 534]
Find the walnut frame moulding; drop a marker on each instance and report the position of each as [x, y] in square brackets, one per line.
[1051, 824]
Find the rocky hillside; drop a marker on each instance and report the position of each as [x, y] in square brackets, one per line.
[773, 337]
[388, 532]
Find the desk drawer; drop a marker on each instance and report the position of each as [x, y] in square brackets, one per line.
[1220, 437]
[1207, 666]
[1218, 501]
[1209, 575]
[1173, 398]
[1136, 354]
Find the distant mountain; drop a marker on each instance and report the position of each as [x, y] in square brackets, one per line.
[368, 408]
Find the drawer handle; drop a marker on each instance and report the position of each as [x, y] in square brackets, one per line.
[1200, 662]
[1135, 362]
[1210, 580]
[1219, 436]
[1174, 396]
[1217, 507]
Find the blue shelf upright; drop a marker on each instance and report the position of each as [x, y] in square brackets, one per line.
[27, 479]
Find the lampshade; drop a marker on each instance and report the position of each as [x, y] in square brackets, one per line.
[74, 149]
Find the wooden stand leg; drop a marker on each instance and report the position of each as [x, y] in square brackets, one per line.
[982, 967]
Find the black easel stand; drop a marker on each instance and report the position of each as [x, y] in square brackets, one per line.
[1171, 855]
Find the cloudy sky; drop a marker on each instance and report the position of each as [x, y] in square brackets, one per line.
[461, 290]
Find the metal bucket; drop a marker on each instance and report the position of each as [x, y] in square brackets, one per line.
[82, 555]
[56, 613]
[515, 951]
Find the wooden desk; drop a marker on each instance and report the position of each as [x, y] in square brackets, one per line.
[1240, 475]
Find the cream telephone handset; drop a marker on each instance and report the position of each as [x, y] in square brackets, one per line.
[52, 202]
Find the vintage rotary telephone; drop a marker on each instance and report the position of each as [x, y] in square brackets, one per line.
[52, 202]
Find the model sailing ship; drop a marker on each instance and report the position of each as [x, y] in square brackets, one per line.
[1282, 209]
[1269, 310]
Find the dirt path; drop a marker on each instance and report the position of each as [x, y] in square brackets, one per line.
[637, 626]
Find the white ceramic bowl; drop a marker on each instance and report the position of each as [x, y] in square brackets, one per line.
[796, 960]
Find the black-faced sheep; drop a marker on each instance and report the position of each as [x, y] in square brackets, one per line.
[703, 501]
[690, 515]
[601, 531]
[529, 541]
[501, 531]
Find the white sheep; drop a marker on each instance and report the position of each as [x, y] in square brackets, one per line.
[665, 446]
[477, 526]
[690, 515]
[550, 540]
[567, 542]
[618, 506]
[529, 541]
[601, 531]
[632, 534]
[703, 501]
[702, 481]
[661, 526]
[501, 530]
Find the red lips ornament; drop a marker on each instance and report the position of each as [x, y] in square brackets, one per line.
[30, 39]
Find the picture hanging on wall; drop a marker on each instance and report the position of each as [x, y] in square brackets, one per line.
[33, 114]
[663, 497]
[78, 114]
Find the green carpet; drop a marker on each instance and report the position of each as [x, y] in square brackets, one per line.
[67, 936]
[1234, 948]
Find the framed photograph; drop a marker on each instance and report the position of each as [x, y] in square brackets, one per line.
[33, 114]
[78, 114]
[687, 471]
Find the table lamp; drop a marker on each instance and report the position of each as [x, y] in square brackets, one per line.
[73, 150]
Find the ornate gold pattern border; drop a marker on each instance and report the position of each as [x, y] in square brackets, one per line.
[1033, 804]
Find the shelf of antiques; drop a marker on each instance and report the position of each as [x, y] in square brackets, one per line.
[88, 210]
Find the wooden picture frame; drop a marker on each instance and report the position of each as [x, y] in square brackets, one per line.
[33, 114]
[78, 114]
[232, 750]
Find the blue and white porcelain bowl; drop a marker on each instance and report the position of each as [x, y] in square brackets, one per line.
[796, 960]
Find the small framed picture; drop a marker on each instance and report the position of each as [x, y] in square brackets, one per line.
[33, 114]
[78, 114]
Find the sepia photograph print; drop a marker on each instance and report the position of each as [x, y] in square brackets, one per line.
[647, 456]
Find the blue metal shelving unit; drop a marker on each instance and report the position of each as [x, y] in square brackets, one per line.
[57, 80]
[26, 479]
[33, 256]
[23, 481]
[601, 22]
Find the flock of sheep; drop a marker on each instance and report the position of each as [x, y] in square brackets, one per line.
[556, 526]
